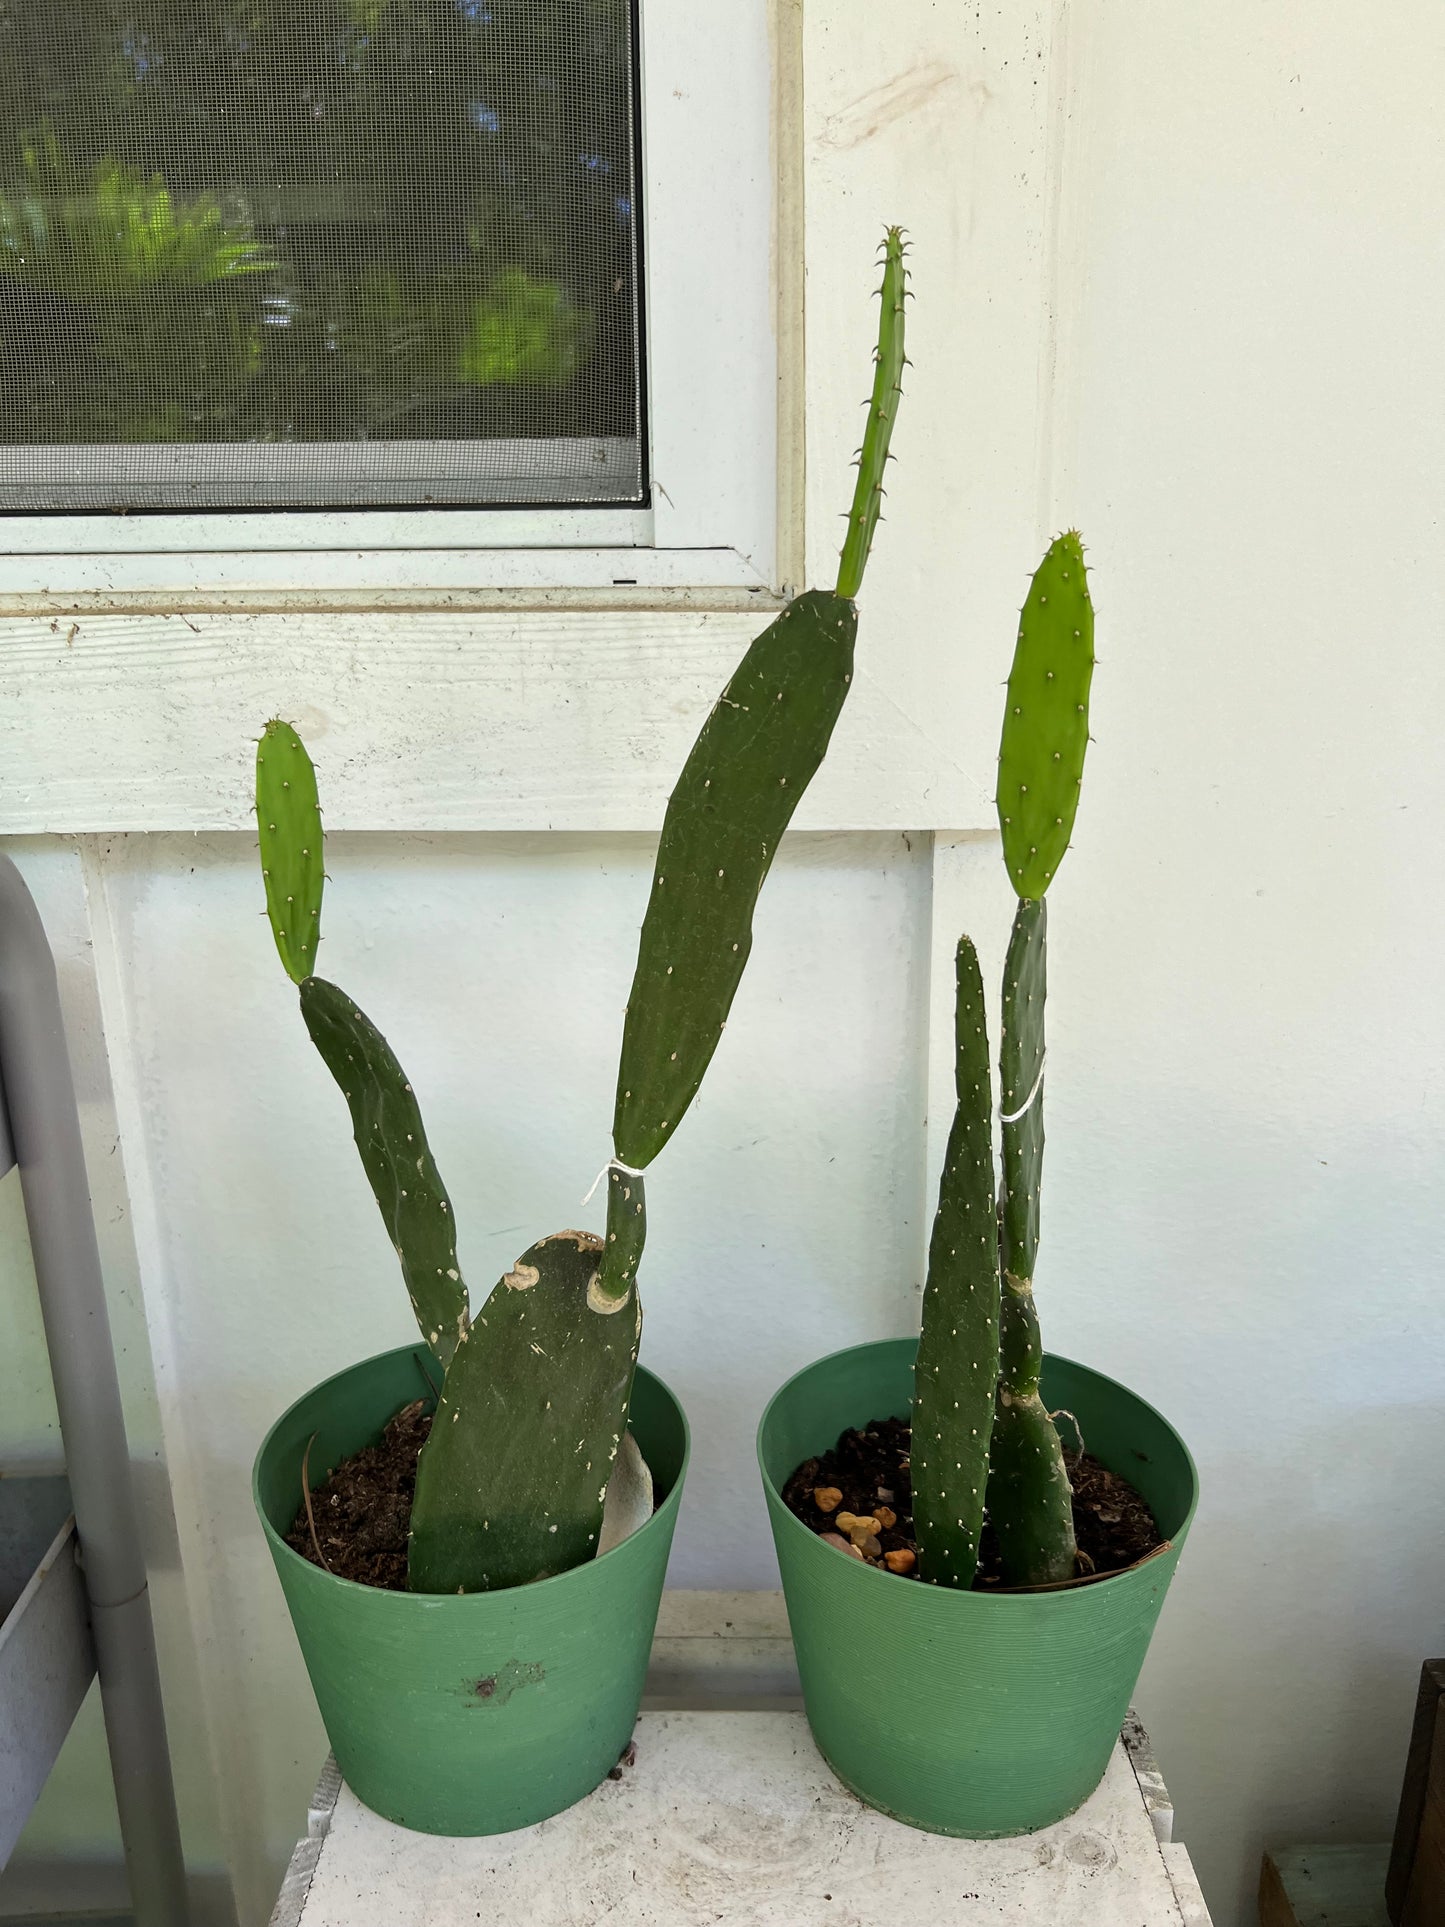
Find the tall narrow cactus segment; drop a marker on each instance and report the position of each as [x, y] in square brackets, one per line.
[1046, 722]
[386, 1123]
[289, 819]
[748, 769]
[955, 1376]
[1029, 1499]
[889, 361]
[532, 1412]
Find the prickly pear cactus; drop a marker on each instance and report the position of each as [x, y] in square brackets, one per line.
[1029, 1499]
[1046, 722]
[289, 819]
[530, 1420]
[955, 1376]
[386, 1123]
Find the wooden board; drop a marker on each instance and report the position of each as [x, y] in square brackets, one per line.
[1415, 1883]
[1324, 1887]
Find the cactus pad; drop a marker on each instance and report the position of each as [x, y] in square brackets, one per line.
[888, 365]
[755, 756]
[1029, 1498]
[532, 1413]
[398, 1161]
[956, 1374]
[289, 820]
[1046, 722]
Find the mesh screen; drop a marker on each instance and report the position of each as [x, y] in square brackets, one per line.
[271, 253]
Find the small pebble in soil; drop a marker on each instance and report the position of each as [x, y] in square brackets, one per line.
[837, 1539]
[864, 1492]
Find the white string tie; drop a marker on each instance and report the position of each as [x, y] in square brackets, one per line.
[612, 1164]
[1024, 1108]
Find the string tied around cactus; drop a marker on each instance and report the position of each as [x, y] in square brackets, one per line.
[1012, 1117]
[612, 1164]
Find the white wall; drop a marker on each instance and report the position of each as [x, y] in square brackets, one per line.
[1180, 273]
[1248, 1132]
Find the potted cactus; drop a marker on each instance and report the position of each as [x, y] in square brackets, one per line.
[502, 1683]
[995, 1690]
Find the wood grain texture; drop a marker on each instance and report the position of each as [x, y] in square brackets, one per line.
[1420, 1824]
[1323, 1887]
[572, 720]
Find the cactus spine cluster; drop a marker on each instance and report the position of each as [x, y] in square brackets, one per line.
[533, 1405]
[1012, 1455]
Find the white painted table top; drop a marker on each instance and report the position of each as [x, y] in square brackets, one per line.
[734, 1817]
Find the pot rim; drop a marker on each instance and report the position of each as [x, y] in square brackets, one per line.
[986, 1598]
[407, 1601]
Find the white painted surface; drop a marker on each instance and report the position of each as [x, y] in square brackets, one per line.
[736, 1817]
[1183, 291]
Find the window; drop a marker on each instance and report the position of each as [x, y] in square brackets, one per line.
[344, 252]
[393, 294]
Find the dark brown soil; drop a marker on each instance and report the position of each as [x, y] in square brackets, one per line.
[869, 1470]
[362, 1511]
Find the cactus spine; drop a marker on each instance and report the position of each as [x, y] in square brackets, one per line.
[533, 1406]
[956, 1373]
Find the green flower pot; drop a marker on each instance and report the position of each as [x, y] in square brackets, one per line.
[969, 1713]
[481, 1712]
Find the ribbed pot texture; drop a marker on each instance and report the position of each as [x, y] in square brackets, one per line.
[474, 1713]
[970, 1713]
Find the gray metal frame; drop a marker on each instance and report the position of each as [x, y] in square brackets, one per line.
[44, 1130]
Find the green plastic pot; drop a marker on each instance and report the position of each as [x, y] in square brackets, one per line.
[473, 1713]
[979, 1714]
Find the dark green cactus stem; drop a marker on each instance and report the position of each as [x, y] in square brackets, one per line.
[955, 1377]
[289, 820]
[752, 761]
[1046, 722]
[531, 1417]
[1029, 1499]
[386, 1123]
[889, 362]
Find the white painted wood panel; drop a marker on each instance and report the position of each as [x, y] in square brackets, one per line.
[576, 720]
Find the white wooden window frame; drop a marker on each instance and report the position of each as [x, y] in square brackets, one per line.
[524, 688]
[712, 373]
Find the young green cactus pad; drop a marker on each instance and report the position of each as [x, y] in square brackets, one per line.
[882, 413]
[386, 1123]
[1046, 723]
[530, 1420]
[1029, 1498]
[289, 819]
[956, 1374]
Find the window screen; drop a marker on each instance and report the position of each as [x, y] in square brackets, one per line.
[278, 253]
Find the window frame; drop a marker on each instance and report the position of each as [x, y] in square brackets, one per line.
[710, 407]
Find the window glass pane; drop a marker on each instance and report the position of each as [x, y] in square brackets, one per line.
[267, 253]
